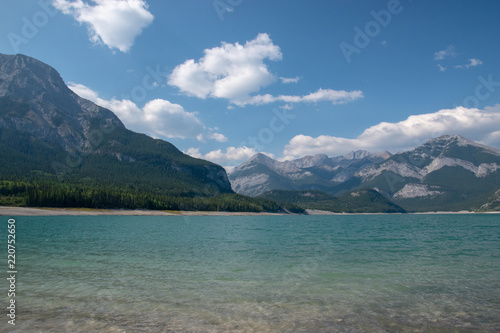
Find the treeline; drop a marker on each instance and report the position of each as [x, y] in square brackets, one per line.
[44, 194]
[360, 201]
[124, 159]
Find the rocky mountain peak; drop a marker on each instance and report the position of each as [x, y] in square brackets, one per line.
[383, 154]
[27, 78]
[310, 161]
[47, 129]
[260, 157]
[358, 154]
[449, 145]
[262, 173]
[50, 110]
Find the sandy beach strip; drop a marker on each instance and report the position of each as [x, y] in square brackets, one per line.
[29, 211]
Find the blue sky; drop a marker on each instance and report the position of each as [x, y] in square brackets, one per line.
[225, 79]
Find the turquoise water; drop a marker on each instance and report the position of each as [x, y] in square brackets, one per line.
[364, 273]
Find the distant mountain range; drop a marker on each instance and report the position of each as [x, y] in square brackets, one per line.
[261, 173]
[445, 173]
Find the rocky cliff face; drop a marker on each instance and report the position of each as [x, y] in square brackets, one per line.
[448, 172]
[445, 173]
[435, 154]
[43, 123]
[261, 173]
[49, 110]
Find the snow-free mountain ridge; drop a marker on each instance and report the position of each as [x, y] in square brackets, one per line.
[448, 172]
[320, 172]
[49, 132]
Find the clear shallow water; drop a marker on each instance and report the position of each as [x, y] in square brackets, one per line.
[375, 273]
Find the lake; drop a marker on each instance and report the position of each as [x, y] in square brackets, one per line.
[356, 273]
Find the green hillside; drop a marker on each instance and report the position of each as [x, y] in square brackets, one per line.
[362, 201]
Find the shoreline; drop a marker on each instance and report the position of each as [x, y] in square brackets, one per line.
[48, 211]
[41, 211]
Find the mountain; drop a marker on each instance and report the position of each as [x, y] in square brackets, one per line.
[261, 173]
[445, 173]
[361, 201]
[48, 133]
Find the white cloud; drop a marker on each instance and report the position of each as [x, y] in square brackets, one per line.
[474, 124]
[328, 95]
[335, 96]
[84, 92]
[289, 79]
[448, 52]
[232, 155]
[115, 23]
[158, 118]
[217, 137]
[472, 63]
[229, 169]
[236, 72]
[231, 71]
[203, 137]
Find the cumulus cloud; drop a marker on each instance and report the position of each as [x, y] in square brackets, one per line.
[158, 118]
[115, 23]
[231, 71]
[237, 72]
[474, 124]
[448, 52]
[217, 137]
[231, 155]
[203, 137]
[84, 92]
